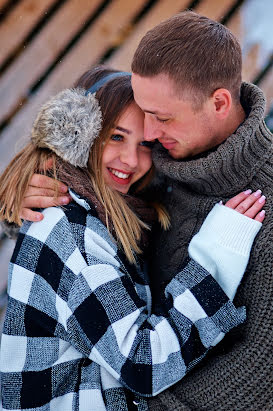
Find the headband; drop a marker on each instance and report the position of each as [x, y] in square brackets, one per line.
[103, 80]
[69, 123]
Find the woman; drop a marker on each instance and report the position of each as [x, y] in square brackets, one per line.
[79, 332]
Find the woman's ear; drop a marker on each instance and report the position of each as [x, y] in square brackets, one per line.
[222, 101]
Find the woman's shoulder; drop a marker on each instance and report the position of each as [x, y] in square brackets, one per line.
[61, 224]
[74, 226]
[63, 231]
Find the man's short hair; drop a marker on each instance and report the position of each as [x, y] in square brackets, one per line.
[199, 54]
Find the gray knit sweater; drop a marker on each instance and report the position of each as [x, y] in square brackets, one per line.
[239, 373]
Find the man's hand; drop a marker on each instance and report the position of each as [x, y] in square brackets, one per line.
[249, 204]
[41, 194]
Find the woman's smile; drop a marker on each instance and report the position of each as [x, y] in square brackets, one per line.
[120, 176]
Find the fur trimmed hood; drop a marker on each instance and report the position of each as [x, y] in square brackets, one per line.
[68, 124]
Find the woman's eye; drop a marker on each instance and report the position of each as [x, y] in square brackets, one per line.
[148, 144]
[116, 137]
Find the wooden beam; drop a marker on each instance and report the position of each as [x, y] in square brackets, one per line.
[214, 9]
[122, 58]
[19, 23]
[42, 52]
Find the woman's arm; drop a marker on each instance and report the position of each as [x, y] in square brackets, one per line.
[148, 352]
[129, 341]
[222, 245]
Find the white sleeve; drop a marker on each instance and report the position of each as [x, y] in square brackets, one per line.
[223, 244]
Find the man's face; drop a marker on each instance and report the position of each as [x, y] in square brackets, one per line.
[183, 131]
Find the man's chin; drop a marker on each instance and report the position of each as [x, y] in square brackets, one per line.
[185, 154]
[177, 155]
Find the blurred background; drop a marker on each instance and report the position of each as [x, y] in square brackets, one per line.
[46, 44]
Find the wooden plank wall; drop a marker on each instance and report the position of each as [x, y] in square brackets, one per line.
[46, 44]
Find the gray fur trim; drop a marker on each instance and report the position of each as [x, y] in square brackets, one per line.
[68, 124]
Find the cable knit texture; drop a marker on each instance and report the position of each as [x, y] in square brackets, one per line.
[238, 375]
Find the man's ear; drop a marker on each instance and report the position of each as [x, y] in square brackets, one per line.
[222, 101]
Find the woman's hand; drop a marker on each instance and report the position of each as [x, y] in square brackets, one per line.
[248, 203]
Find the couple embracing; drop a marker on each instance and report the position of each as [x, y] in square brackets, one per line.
[120, 293]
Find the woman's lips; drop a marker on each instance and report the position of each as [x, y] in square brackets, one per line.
[119, 176]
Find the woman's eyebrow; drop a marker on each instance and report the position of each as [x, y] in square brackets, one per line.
[124, 130]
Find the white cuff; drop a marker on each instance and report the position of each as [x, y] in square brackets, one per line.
[230, 229]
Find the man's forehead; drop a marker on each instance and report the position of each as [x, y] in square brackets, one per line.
[151, 93]
[160, 84]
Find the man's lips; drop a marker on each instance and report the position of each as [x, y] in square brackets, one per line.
[120, 176]
[168, 144]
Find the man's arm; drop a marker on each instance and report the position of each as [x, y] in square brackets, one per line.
[42, 189]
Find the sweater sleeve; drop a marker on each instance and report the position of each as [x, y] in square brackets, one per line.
[223, 245]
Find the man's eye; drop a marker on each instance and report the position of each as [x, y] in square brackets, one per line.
[162, 120]
[116, 137]
[148, 144]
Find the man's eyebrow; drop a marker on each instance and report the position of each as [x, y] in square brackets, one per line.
[124, 130]
[157, 113]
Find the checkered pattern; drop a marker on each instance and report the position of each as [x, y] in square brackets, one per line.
[79, 333]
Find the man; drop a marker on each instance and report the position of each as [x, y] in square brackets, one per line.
[187, 79]
[214, 144]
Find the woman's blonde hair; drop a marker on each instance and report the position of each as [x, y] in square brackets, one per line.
[114, 97]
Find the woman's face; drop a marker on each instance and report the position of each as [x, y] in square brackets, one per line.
[126, 156]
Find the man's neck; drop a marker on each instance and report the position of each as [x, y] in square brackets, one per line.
[236, 117]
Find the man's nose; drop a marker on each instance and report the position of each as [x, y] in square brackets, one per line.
[129, 156]
[151, 129]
